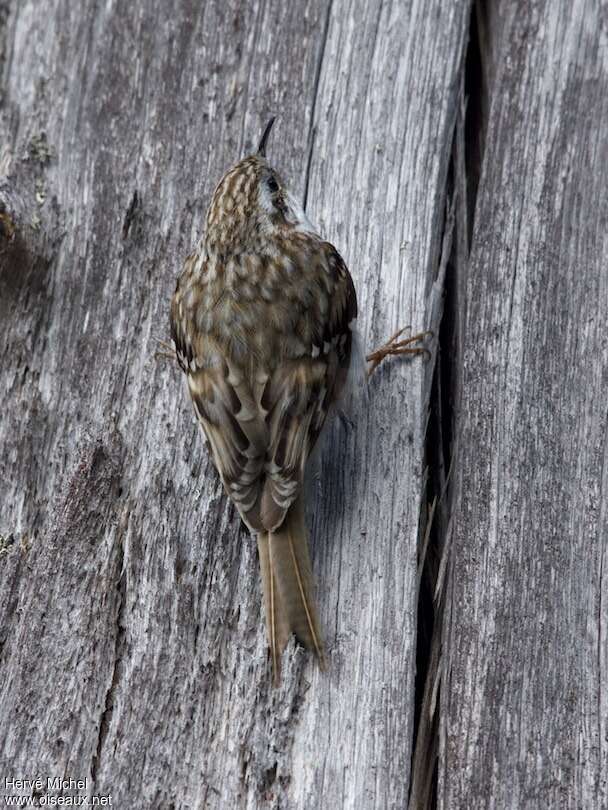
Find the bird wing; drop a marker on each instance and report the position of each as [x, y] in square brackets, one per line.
[228, 415]
[301, 391]
[234, 427]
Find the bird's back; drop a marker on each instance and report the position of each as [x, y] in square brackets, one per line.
[260, 309]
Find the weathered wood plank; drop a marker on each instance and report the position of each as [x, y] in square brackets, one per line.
[154, 681]
[142, 114]
[384, 115]
[525, 706]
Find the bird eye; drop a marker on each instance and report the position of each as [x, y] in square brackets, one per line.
[273, 186]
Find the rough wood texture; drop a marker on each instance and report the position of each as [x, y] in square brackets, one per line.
[525, 701]
[133, 649]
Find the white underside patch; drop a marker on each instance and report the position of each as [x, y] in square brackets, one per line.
[296, 214]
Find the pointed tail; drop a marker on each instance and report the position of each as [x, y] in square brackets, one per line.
[288, 588]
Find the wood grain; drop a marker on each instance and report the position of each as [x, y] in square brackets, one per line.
[525, 707]
[384, 129]
[132, 635]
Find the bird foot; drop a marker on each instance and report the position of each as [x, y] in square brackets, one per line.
[394, 347]
[168, 353]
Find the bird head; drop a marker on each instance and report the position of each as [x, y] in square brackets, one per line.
[251, 206]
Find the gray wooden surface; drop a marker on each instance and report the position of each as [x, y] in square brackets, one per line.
[132, 648]
[132, 642]
[524, 715]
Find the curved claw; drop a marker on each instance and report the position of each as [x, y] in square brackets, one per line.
[394, 347]
[169, 350]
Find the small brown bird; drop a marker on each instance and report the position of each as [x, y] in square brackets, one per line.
[262, 324]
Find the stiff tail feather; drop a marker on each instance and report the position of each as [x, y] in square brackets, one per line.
[288, 588]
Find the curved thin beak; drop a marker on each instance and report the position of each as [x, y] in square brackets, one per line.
[264, 139]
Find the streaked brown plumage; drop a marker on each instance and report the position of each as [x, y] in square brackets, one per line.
[261, 321]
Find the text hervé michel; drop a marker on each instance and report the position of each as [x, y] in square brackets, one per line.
[50, 783]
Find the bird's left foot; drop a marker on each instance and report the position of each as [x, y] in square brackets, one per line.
[168, 352]
[394, 347]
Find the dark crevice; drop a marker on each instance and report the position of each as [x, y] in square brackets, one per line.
[4, 13]
[476, 116]
[315, 93]
[119, 645]
[130, 215]
[434, 527]
[442, 429]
